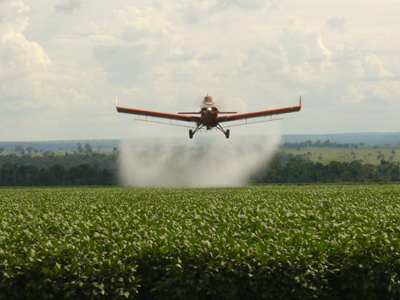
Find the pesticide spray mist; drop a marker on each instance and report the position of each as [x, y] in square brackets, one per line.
[209, 161]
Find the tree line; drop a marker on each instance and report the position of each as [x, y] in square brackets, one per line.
[300, 170]
[80, 148]
[325, 144]
[102, 160]
[57, 175]
[283, 169]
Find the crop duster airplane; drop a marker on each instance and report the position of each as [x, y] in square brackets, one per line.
[209, 116]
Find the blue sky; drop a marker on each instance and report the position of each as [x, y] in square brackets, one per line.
[63, 62]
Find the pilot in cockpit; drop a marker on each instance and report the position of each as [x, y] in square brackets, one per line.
[208, 99]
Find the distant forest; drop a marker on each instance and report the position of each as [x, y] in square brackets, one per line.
[93, 168]
[288, 142]
[289, 169]
[57, 175]
[101, 160]
[325, 144]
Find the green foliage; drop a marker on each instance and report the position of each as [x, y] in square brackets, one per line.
[275, 242]
[368, 155]
[57, 175]
[319, 144]
[100, 169]
[299, 170]
[48, 159]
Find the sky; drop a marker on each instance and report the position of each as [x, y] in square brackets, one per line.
[63, 62]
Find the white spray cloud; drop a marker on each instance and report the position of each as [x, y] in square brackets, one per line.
[211, 161]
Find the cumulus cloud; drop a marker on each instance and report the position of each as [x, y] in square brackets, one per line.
[248, 5]
[209, 56]
[276, 4]
[384, 91]
[336, 23]
[297, 58]
[248, 55]
[22, 62]
[142, 39]
[304, 46]
[219, 6]
[150, 40]
[300, 59]
[373, 67]
[199, 11]
[13, 16]
[68, 6]
[39, 96]
[361, 76]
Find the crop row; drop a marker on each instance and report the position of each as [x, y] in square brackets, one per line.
[272, 242]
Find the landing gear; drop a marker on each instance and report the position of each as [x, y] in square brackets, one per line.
[219, 127]
[226, 132]
[192, 133]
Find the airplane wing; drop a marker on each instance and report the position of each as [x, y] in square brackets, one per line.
[262, 113]
[156, 114]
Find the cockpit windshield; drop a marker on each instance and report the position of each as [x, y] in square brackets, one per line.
[208, 99]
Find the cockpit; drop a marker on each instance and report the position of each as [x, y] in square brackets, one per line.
[208, 99]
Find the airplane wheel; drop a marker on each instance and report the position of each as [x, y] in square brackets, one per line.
[227, 134]
[191, 133]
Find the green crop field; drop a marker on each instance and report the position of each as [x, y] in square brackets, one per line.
[365, 154]
[271, 242]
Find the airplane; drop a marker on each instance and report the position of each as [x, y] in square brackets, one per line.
[209, 115]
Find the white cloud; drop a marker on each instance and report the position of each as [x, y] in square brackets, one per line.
[68, 6]
[247, 5]
[22, 62]
[336, 23]
[383, 91]
[210, 56]
[304, 47]
[373, 67]
[12, 16]
[294, 58]
[276, 4]
[361, 76]
[248, 55]
[193, 12]
[36, 91]
[142, 39]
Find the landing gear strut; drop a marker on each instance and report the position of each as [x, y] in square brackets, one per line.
[219, 127]
[192, 133]
[226, 132]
